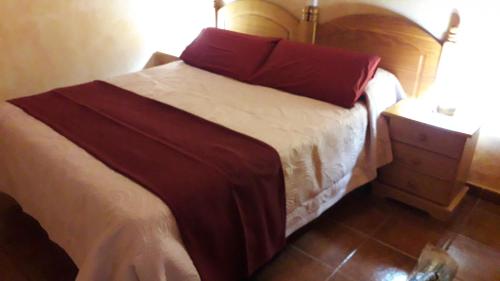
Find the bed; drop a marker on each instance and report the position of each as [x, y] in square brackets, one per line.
[114, 229]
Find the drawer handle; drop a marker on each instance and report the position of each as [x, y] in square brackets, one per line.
[422, 137]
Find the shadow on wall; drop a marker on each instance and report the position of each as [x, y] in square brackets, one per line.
[53, 43]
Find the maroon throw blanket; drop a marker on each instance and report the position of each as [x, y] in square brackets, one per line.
[225, 189]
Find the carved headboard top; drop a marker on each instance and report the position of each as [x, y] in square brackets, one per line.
[406, 48]
[258, 18]
[264, 18]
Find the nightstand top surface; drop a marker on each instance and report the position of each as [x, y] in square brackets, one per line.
[424, 113]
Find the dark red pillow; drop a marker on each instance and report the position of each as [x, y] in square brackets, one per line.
[332, 75]
[229, 53]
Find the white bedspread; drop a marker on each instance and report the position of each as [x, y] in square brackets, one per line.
[114, 229]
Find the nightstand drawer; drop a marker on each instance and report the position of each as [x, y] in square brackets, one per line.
[419, 184]
[427, 137]
[432, 155]
[425, 162]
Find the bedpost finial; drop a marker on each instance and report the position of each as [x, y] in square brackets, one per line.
[217, 4]
[451, 34]
[310, 14]
[217, 7]
[306, 31]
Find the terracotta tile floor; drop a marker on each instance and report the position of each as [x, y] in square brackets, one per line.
[362, 238]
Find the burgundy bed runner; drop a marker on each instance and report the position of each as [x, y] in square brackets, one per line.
[225, 189]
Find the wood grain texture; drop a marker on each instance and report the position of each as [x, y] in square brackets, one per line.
[418, 184]
[437, 211]
[466, 159]
[424, 161]
[257, 17]
[484, 171]
[406, 49]
[420, 111]
[431, 160]
[427, 137]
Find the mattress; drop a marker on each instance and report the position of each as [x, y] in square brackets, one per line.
[114, 229]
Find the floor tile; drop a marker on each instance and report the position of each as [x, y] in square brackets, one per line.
[489, 206]
[26, 245]
[292, 265]
[474, 189]
[8, 270]
[361, 211]
[6, 202]
[462, 212]
[411, 231]
[26, 253]
[340, 277]
[330, 242]
[483, 225]
[376, 262]
[491, 195]
[476, 261]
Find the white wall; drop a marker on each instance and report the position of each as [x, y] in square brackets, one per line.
[479, 62]
[51, 43]
[183, 22]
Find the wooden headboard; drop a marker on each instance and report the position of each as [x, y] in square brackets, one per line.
[406, 49]
[260, 17]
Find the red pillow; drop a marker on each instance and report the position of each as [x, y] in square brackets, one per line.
[228, 53]
[327, 74]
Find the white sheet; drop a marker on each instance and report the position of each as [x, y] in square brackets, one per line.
[116, 230]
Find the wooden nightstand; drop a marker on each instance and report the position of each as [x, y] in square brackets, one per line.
[432, 156]
[160, 58]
